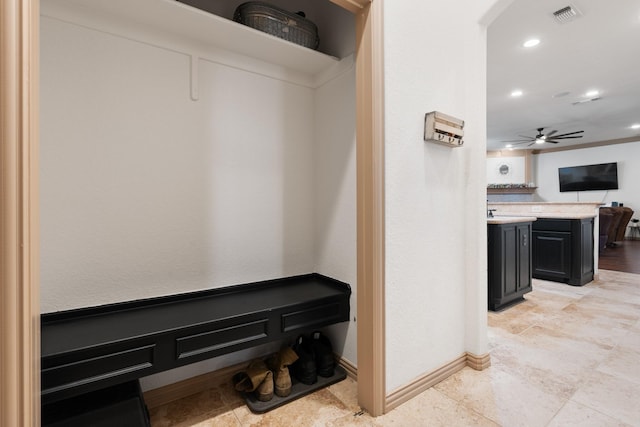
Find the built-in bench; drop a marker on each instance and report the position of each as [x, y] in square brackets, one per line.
[89, 349]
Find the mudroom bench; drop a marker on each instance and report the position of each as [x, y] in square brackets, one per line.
[90, 349]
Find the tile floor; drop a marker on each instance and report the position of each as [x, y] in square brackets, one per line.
[567, 356]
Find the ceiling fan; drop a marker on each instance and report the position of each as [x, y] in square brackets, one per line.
[541, 138]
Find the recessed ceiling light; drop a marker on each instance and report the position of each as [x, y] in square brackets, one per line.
[509, 145]
[516, 93]
[591, 93]
[531, 43]
[635, 126]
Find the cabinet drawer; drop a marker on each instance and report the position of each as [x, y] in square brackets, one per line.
[66, 373]
[313, 317]
[217, 338]
[543, 224]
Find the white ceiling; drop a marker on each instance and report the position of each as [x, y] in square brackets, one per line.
[599, 50]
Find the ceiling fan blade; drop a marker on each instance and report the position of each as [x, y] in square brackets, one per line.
[552, 141]
[551, 133]
[566, 137]
[516, 140]
[565, 134]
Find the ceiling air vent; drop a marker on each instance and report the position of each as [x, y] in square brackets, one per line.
[566, 14]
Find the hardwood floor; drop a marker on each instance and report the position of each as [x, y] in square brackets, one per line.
[624, 257]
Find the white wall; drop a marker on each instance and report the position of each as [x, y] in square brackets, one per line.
[627, 155]
[435, 196]
[145, 192]
[335, 196]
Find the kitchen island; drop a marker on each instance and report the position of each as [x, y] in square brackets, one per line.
[563, 239]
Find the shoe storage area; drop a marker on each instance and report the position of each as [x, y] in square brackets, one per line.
[183, 153]
[293, 372]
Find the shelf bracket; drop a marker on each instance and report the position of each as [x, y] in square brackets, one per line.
[194, 77]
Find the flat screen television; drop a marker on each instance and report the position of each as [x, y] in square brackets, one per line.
[603, 176]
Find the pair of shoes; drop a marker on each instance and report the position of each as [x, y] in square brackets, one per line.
[315, 357]
[325, 361]
[304, 368]
[279, 364]
[256, 378]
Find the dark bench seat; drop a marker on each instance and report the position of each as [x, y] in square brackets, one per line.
[92, 348]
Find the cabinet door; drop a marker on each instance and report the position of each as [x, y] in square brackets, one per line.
[552, 255]
[582, 272]
[523, 234]
[510, 246]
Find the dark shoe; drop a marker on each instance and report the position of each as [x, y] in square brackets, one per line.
[304, 368]
[257, 377]
[279, 364]
[325, 362]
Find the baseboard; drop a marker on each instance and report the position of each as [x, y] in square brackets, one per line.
[352, 370]
[172, 392]
[479, 363]
[411, 390]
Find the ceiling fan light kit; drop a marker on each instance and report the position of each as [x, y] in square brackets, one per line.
[542, 138]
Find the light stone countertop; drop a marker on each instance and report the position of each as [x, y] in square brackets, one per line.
[554, 210]
[510, 219]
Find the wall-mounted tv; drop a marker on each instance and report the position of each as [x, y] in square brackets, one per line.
[603, 176]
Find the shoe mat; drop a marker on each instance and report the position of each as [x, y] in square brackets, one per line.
[298, 390]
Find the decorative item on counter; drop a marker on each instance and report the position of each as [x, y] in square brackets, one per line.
[508, 186]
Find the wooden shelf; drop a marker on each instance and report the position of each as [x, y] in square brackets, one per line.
[169, 18]
[514, 190]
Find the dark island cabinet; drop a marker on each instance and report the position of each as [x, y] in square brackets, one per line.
[563, 250]
[509, 256]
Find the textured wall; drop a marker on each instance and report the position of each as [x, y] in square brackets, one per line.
[146, 192]
[435, 195]
[335, 195]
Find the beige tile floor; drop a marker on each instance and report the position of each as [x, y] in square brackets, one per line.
[567, 356]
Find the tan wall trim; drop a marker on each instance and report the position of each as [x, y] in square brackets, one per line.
[411, 390]
[19, 300]
[172, 392]
[370, 208]
[350, 368]
[589, 145]
[479, 363]
[419, 385]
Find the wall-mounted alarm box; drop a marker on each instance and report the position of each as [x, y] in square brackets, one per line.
[443, 129]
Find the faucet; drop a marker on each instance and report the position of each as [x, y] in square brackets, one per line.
[490, 213]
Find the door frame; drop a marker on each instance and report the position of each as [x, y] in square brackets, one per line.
[19, 239]
[19, 211]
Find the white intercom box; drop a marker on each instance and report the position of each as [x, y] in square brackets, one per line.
[443, 129]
